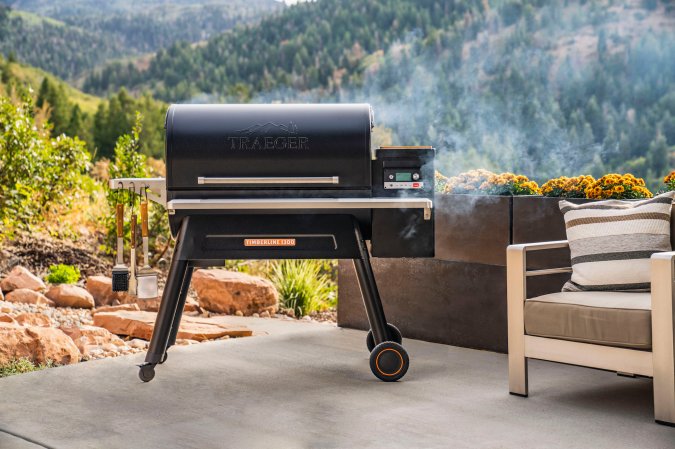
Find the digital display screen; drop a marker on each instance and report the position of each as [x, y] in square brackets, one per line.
[403, 177]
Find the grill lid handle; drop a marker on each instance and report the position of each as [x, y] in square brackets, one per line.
[270, 180]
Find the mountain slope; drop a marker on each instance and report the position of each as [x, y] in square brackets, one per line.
[71, 37]
[543, 88]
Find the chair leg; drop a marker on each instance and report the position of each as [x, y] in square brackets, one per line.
[663, 337]
[515, 293]
[517, 373]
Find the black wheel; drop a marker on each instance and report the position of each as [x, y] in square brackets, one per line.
[389, 361]
[146, 372]
[164, 357]
[393, 331]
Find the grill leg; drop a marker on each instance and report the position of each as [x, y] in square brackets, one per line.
[168, 306]
[371, 297]
[181, 304]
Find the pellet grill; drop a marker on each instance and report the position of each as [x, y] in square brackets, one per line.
[288, 182]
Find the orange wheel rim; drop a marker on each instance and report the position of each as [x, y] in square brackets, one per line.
[377, 362]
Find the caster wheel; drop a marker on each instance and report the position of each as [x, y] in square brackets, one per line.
[164, 357]
[393, 331]
[389, 361]
[146, 372]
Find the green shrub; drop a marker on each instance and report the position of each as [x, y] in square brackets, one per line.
[37, 172]
[22, 365]
[304, 285]
[63, 274]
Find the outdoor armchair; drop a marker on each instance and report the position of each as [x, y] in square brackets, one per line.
[630, 333]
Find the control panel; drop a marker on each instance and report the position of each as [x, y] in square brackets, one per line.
[402, 179]
[408, 169]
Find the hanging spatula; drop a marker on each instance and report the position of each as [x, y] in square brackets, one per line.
[147, 277]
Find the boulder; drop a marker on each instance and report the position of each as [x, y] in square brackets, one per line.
[141, 324]
[131, 307]
[150, 304]
[38, 344]
[52, 344]
[100, 288]
[87, 337]
[33, 319]
[27, 296]
[21, 277]
[5, 318]
[2, 297]
[225, 291]
[66, 295]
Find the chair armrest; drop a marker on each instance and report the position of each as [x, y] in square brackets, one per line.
[539, 246]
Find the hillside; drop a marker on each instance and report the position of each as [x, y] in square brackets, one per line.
[539, 87]
[34, 77]
[96, 121]
[71, 37]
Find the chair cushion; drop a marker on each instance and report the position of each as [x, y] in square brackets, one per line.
[611, 242]
[605, 318]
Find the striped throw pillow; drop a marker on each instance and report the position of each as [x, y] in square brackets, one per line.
[611, 242]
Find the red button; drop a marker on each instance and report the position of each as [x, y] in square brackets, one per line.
[416, 185]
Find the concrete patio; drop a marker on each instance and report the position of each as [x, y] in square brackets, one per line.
[309, 386]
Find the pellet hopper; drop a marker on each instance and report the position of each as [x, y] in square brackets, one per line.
[288, 181]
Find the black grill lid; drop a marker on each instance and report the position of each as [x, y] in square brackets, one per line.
[324, 146]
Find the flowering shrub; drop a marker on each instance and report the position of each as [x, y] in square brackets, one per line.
[441, 182]
[510, 184]
[669, 180]
[564, 187]
[468, 182]
[617, 186]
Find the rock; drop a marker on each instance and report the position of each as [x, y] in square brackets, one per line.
[100, 288]
[225, 291]
[38, 344]
[5, 318]
[87, 338]
[239, 313]
[27, 296]
[2, 297]
[265, 314]
[21, 277]
[66, 295]
[33, 319]
[256, 315]
[131, 307]
[141, 324]
[137, 343]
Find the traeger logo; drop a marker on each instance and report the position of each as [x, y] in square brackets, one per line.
[269, 136]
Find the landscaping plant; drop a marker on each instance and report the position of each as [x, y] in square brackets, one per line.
[510, 184]
[669, 181]
[63, 274]
[620, 187]
[22, 365]
[303, 285]
[564, 187]
[38, 173]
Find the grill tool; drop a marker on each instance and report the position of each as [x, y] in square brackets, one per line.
[133, 284]
[146, 277]
[120, 272]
